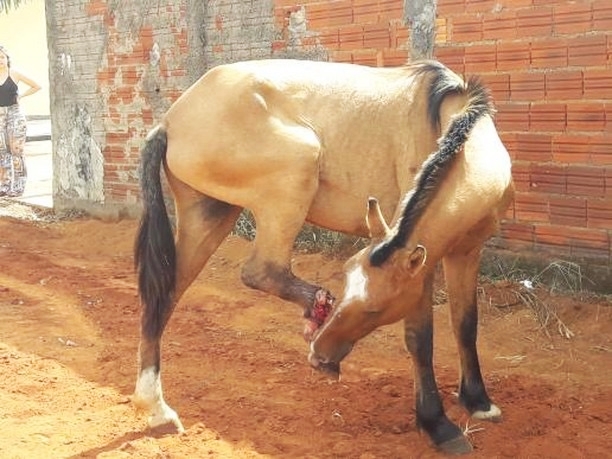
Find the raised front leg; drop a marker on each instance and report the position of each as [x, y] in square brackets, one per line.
[418, 335]
[461, 271]
[279, 219]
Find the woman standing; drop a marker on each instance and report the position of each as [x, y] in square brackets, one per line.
[13, 173]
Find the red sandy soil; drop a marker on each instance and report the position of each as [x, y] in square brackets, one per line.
[235, 369]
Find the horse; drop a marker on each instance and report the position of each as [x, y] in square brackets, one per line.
[344, 147]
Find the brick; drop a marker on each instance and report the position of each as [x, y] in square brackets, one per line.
[442, 32]
[518, 231]
[499, 85]
[573, 18]
[599, 213]
[329, 38]
[367, 57]
[466, 28]
[480, 6]
[350, 37]
[390, 10]
[521, 174]
[549, 53]
[394, 57]
[329, 14]
[597, 84]
[588, 238]
[453, 57]
[399, 35]
[534, 147]
[365, 11]
[531, 207]
[513, 116]
[600, 148]
[341, 56]
[500, 26]
[527, 86]
[571, 149]
[585, 181]
[564, 85]
[513, 56]
[586, 116]
[548, 178]
[535, 22]
[450, 7]
[567, 210]
[608, 178]
[602, 15]
[547, 117]
[376, 36]
[549, 237]
[588, 51]
[480, 59]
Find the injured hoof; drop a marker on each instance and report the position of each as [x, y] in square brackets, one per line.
[457, 445]
[323, 304]
[316, 316]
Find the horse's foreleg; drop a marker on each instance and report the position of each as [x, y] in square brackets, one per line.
[203, 223]
[269, 266]
[461, 272]
[418, 336]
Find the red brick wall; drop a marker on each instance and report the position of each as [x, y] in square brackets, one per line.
[368, 32]
[549, 65]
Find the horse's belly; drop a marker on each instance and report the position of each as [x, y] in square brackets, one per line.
[344, 210]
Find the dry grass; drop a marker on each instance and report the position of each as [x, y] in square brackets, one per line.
[537, 291]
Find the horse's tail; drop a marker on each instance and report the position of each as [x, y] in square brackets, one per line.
[154, 251]
[437, 165]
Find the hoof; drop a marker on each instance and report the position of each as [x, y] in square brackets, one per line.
[456, 446]
[166, 421]
[494, 414]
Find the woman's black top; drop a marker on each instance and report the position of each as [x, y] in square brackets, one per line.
[8, 92]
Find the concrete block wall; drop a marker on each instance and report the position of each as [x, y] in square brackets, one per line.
[549, 65]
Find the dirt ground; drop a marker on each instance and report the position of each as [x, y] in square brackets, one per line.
[234, 363]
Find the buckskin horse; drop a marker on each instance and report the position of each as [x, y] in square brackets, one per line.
[348, 148]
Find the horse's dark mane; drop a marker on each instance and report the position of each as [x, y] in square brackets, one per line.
[442, 83]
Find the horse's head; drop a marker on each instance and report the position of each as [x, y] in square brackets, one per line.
[373, 296]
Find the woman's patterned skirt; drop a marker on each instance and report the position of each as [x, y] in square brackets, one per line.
[13, 174]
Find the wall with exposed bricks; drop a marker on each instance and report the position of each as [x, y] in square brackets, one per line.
[115, 67]
[549, 66]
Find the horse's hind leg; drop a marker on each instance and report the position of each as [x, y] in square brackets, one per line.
[461, 271]
[202, 224]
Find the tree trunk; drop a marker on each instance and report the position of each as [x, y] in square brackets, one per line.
[420, 15]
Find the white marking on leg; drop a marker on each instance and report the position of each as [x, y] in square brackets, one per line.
[356, 285]
[149, 396]
[494, 413]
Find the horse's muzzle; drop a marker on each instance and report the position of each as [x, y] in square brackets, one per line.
[330, 367]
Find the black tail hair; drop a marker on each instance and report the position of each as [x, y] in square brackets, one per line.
[437, 165]
[154, 250]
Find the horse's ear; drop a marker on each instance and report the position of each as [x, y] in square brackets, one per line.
[377, 226]
[414, 261]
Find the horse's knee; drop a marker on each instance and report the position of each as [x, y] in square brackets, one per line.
[279, 281]
[266, 276]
